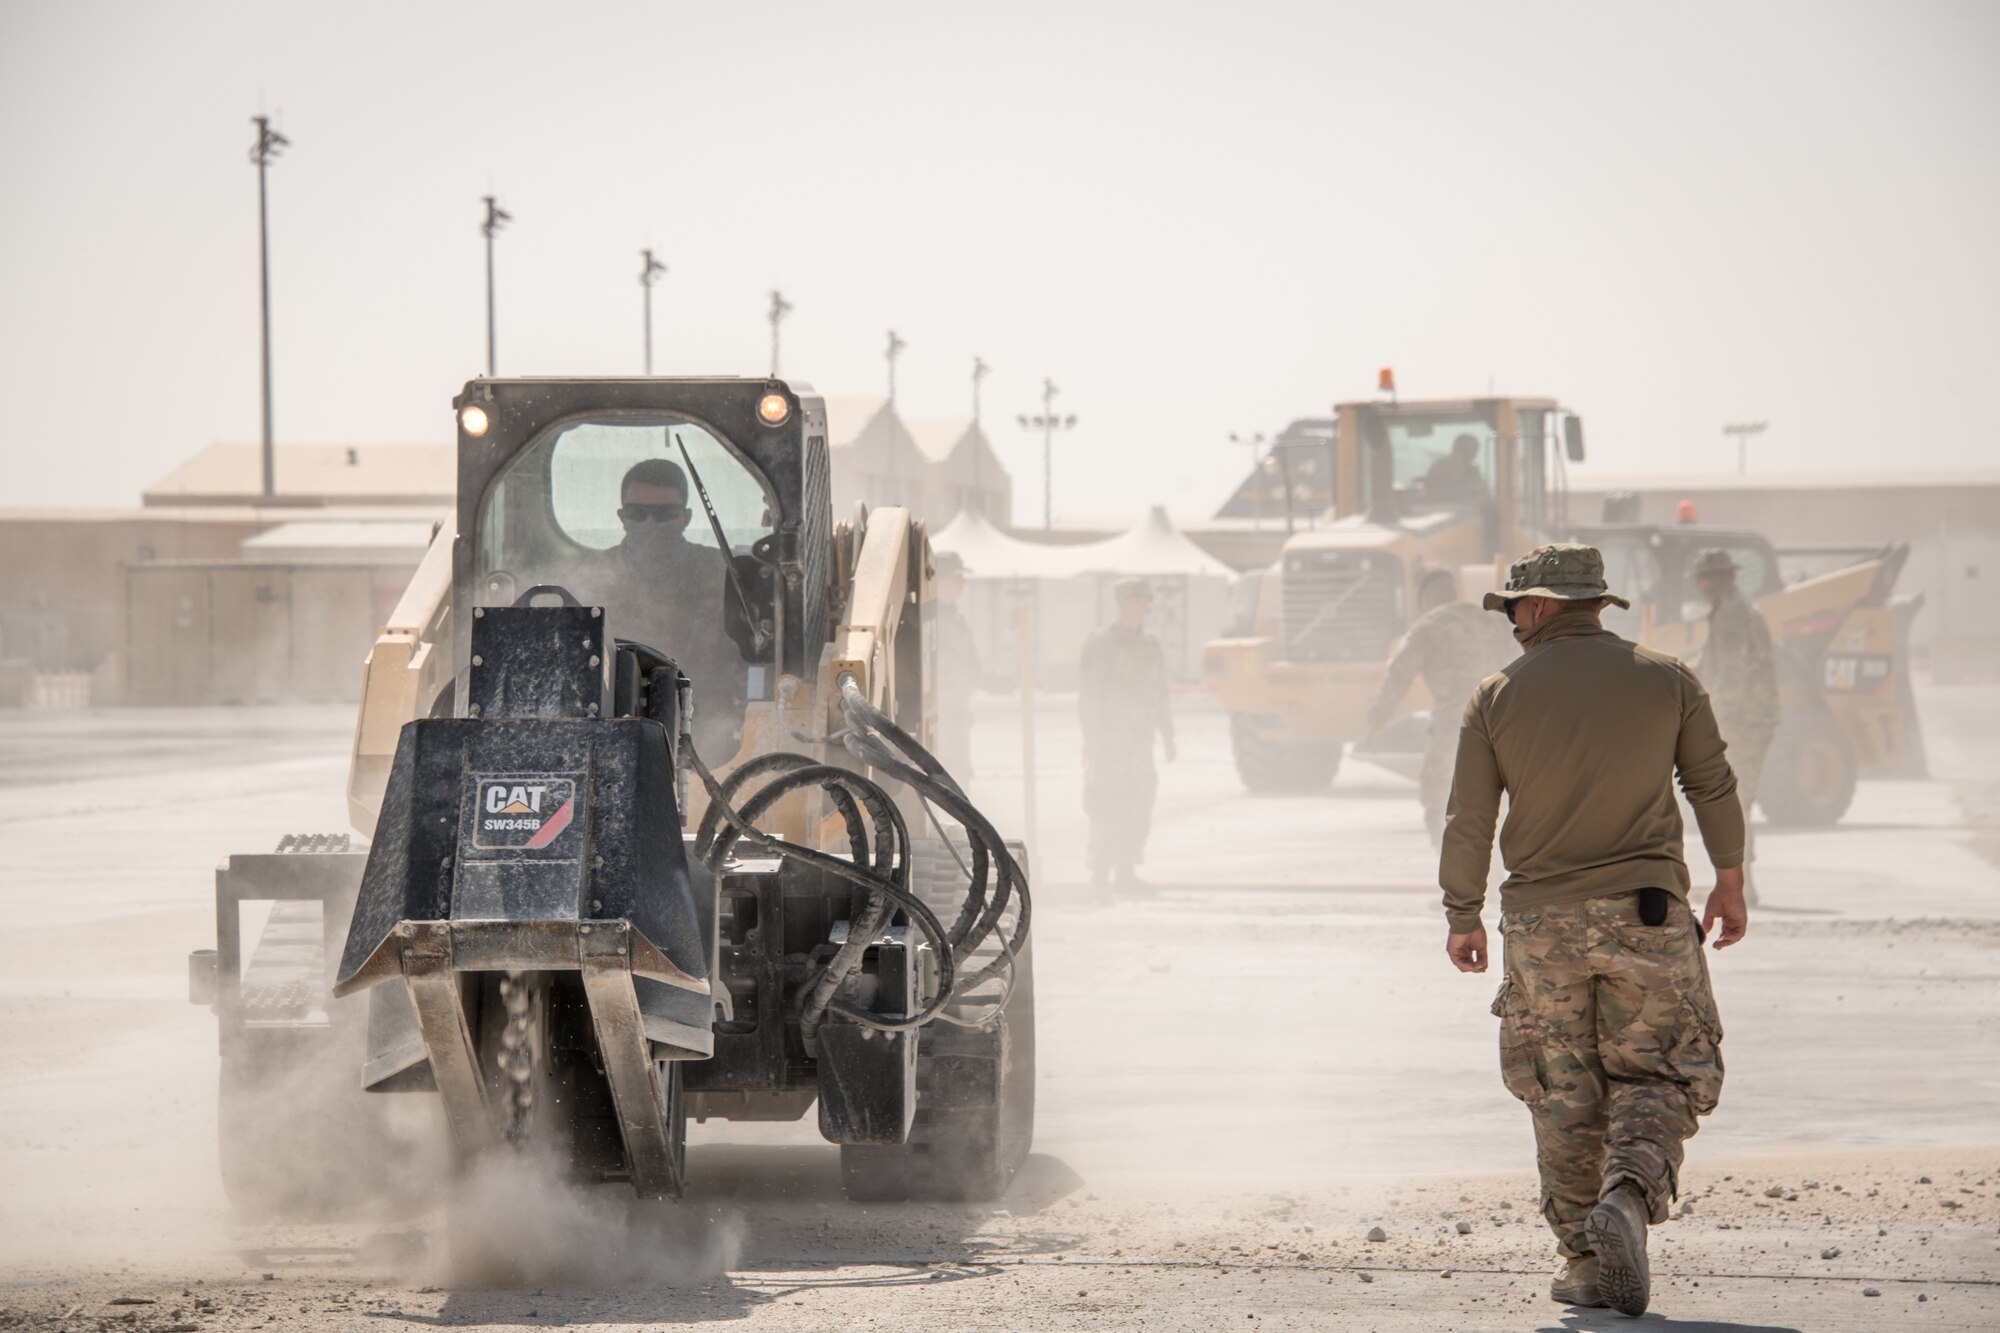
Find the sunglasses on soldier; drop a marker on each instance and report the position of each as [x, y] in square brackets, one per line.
[666, 513]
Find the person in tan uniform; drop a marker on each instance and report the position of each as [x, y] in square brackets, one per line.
[669, 593]
[1740, 669]
[1122, 700]
[1608, 1028]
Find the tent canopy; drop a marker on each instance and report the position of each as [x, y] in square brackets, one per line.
[1153, 547]
[991, 554]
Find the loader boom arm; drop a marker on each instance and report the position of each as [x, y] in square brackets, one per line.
[405, 669]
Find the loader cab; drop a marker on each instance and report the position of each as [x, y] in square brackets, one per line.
[1493, 464]
[1653, 568]
[677, 506]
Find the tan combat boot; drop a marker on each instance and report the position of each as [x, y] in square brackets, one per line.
[1616, 1230]
[1576, 1283]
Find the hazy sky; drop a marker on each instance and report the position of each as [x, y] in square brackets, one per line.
[1198, 219]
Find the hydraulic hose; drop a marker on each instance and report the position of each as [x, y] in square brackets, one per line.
[867, 726]
[740, 827]
[880, 865]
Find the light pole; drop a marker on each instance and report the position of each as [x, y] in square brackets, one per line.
[1048, 423]
[895, 349]
[496, 218]
[890, 353]
[980, 370]
[649, 271]
[1743, 430]
[780, 307]
[269, 144]
[1255, 444]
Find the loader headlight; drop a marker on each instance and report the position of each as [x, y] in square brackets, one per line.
[773, 408]
[472, 419]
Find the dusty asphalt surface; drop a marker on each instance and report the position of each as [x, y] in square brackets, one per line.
[1244, 1069]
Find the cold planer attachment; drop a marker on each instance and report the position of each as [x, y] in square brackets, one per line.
[540, 835]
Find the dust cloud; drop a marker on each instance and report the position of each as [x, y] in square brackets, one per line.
[518, 1219]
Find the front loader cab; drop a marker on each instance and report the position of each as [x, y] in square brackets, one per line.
[1653, 568]
[1437, 464]
[694, 512]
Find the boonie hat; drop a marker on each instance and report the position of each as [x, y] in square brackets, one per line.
[1566, 571]
[1714, 562]
[950, 562]
[1129, 588]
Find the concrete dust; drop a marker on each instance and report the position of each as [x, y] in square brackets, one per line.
[517, 1220]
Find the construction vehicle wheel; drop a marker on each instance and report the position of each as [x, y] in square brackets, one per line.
[975, 1116]
[1273, 766]
[1809, 774]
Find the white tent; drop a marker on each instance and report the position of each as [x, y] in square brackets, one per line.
[992, 554]
[1153, 547]
[1067, 591]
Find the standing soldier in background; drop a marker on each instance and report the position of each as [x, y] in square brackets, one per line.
[1608, 1028]
[1122, 696]
[1454, 645]
[957, 667]
[1740, 672]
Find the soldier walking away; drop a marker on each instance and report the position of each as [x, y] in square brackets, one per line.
[1122, 696]
[1453, 646]
[1608, 1028]
[1740, 671]
[957, 666]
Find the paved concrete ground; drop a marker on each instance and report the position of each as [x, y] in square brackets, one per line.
[1243, 1069]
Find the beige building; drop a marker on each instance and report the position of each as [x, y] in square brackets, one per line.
[935, 466]
[211, 591]
[965, 473]
[418, 476]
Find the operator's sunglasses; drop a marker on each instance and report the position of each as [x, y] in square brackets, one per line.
[652, 513]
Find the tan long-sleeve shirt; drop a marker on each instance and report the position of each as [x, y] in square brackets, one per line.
[1584, 732]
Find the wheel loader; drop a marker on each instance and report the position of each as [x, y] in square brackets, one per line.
[1841, 634]
[1431, 498]
[1421, 490]
[653, 832]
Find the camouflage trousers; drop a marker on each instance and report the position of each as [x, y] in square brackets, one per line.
[1609, 1033]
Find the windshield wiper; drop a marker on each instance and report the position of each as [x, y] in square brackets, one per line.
[759, 630]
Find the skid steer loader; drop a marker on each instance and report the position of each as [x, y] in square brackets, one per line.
[653, 832]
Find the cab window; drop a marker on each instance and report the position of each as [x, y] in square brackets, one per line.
[1418, 463]
[610, 510]
[1632, 570]
[560, 510]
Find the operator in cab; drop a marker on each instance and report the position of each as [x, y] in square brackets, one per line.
[1455, 478]
[669, 593]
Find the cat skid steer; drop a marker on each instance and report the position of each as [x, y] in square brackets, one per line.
[654, 833]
